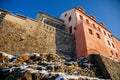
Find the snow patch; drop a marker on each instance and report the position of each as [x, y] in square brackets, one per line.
[7, 55]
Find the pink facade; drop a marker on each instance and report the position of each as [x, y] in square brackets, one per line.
[91, 37]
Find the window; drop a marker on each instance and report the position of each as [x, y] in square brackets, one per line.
[65, 14]
[69, 19]
[99, 29]
[104, 32]
[98, 36]
[87, 21]
[116, 54]
[109, 36]
[113, 45]
[74, 28]
[93, 25]
[81, 17]
[90, 31]
[108, 42]
[70, 29]
[112, 52]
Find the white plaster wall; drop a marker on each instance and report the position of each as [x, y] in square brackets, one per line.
[73, 19]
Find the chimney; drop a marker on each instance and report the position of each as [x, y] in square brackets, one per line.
[81, 9]
[92, 17]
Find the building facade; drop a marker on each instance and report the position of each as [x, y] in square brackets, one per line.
[91, 37]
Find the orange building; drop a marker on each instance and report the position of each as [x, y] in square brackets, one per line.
[91, 36]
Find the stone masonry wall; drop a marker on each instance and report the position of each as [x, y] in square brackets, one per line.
[105, 68]
[113, 68]
[32, 37]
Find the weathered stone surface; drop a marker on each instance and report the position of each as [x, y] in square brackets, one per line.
[32, 37]
[105, 67]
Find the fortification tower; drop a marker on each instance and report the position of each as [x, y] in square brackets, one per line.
[91, 36]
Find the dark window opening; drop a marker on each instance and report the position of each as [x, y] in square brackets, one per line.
[112, 52]
[104, 32]
[113, 45]
[116, 54]
[90, 31]
[69, 19]
[94, 26]
[108, 42]
[98, 36]
[74, 28]
[70, 29]
[87, 21]
[109, 36]
[65, 14]
[99, 29]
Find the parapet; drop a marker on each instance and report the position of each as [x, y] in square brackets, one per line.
[92, 17]
[80, 9]
[102, 24]
[21, 16]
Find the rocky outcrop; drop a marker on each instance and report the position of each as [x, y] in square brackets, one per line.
[44, 66]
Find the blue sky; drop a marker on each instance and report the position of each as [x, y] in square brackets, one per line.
[106, 11]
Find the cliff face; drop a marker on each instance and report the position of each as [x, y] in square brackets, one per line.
[28, 36]
[105, 67]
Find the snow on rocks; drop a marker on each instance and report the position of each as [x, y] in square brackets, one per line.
[6, 55]
[44, 66]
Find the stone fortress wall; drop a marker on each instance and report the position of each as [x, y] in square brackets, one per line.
[19, 34]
